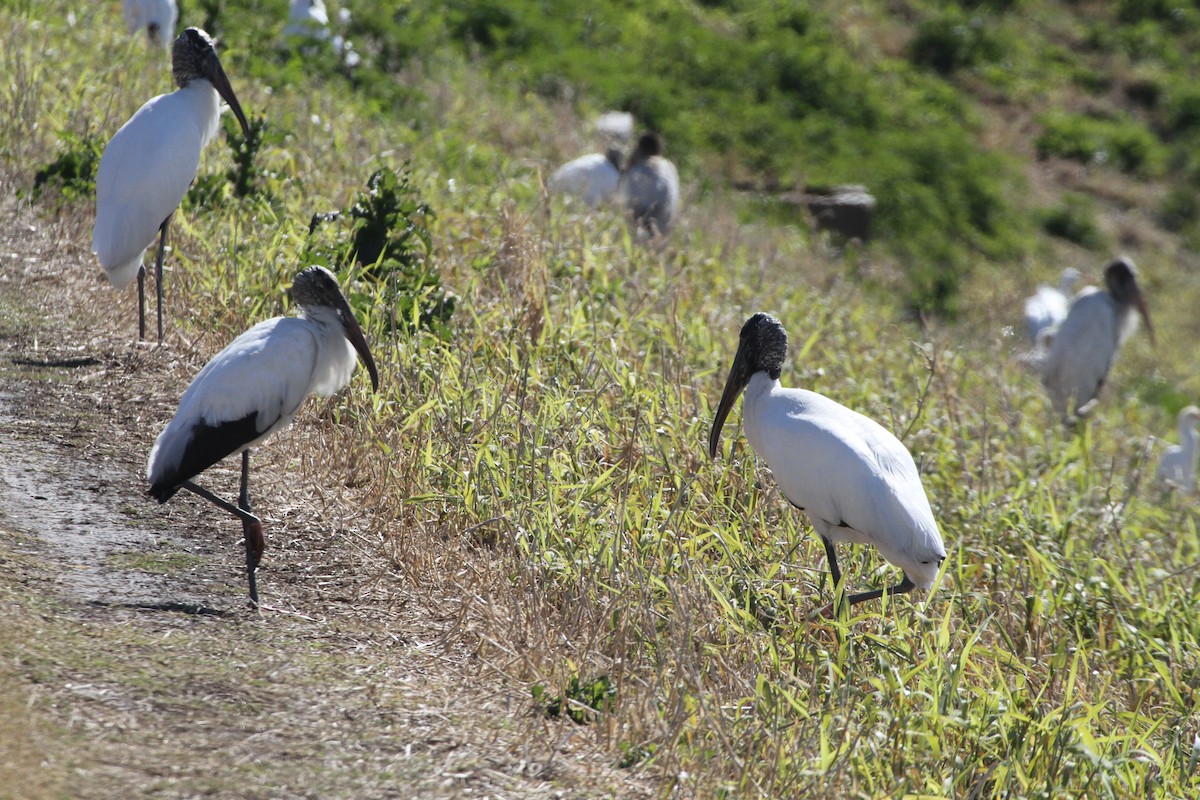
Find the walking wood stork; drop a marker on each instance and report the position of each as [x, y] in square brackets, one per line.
[156, 17]
[592, 178]
[147, 167]
[1047, 307]
[1177, 469]
[854, 480]
[253, 388]
[650, 187]
[1085, 345]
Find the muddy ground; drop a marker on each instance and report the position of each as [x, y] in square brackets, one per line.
[130, 665]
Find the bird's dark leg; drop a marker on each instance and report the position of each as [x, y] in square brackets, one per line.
[251, 530]
[250, 523]
[904, 586]
[158, 262]
[142, 302]
[838, 589]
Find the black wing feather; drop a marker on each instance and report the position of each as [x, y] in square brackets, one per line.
[208, 445]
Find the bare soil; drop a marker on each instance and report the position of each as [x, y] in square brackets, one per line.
[130, 665]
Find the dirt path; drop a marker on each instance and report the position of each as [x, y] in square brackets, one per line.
[129, 666]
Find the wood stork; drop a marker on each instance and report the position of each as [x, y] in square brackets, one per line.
[1177, 469]
[650, 187]
[1047, 307]
[592, 178]
[156, 17]
[307, 19]
[1085, 345]
[854, 479]
[253, 388]
[147, 167]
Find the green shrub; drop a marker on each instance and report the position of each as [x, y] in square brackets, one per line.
[1124, 143]
[73, 172]
[1073, 221]
[388, 236]
[953, 41]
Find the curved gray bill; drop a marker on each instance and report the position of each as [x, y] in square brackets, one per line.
[355, 335]
[734, 385]
[1140, 302]
[220, 82]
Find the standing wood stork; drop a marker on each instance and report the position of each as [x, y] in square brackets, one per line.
[1085, 345]
[156, 17]
[253, 388]
[1177, 469]
[592, 178]
[147, 167]
[307, 19]
[650, 187]
[854, 479]
[1047, 307]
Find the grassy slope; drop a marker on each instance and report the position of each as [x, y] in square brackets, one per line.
[547, 461]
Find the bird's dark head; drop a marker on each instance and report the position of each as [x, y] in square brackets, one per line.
[1120, 277]
[650, 144]
[194, 56]
[762, 347]
[317, 288]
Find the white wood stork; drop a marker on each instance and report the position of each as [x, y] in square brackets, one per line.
[307, 19]
[854, 479]
[1085, 345]
[1047, 307]
[156, 17]
[253, 388]
[650, 187]
[1177, 469]
[147, 167]
[592, 178]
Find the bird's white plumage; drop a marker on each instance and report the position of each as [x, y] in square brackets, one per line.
[1177, 469]
[267, 371]
[650, 192]
[157, 18]
[1083, 350]
[1047, 307]
[307, 18]
[145, 171]
[592, 178]
[855, 480]
[615, 125]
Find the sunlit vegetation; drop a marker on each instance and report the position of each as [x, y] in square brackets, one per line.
[537, 446]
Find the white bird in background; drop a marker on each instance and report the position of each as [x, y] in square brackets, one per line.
[650, 187]
[854, 479]
[156, 17]
[253, 388]
[307, 18]
[1177, 469]
[1047, 308]
[615, 126]
[147, 167]
[592, 178]
[1085, 345]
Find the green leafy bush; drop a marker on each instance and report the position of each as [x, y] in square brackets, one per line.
[1122, 142]
[953, 40]
[388, 236]
[73, 172]
[244, 178]
[581, 701]
[1073, 221]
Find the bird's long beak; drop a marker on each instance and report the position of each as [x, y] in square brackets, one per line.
[1140, 302]
[734, 384]
[220, 82]
[359, 341]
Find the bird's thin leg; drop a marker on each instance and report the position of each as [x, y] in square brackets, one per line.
[251, 530]
[250, 523]
[162, 246]
[142, 302]
[904, 586]
[838, 589]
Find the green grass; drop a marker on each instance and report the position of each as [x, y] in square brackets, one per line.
[546, 458]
